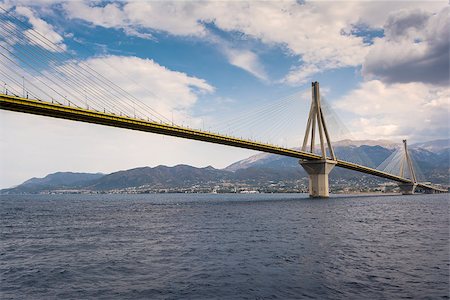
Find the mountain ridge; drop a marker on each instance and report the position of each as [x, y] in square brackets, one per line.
[258, 170]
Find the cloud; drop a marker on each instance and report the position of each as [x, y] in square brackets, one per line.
[301, 74]
[286, 24]
[321, 35]
[178, 18]
[403, 22]
[169, 93]
[65, 145]
[110, 15]
[247, 61]
[415, 49]
[43, 28]
[134, 16]
[164, 90]
[417, 111]
[7, 34]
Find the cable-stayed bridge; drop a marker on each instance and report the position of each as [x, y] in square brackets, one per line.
[14, 103]
[42, 78]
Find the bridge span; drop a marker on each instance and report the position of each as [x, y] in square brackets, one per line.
[37, 107]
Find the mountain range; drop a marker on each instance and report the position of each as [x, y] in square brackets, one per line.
[432, 158]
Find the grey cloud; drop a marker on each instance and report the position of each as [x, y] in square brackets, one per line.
[397, 25]
[415, 49]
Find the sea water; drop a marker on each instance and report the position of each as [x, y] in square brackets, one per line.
[224, 246]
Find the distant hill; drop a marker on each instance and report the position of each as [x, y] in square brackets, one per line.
[370, 156]
[432, 158]
[160, 176]
[436, 146]
[59, 180]
[383, 143]
[433, 166]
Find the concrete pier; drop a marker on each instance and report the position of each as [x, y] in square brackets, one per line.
[407, 188]
[318, 176]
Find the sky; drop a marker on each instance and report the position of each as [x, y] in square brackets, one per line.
[383, 69]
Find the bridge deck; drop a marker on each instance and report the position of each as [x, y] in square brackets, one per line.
[36, 107]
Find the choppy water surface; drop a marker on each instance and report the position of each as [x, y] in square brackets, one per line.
[224, 246]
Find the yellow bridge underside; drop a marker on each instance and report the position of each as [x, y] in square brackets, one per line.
[36, 107]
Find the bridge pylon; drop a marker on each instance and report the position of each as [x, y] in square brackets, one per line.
[318, 170]
[410, 187]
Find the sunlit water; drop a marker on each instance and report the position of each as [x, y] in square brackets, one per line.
[224, 247]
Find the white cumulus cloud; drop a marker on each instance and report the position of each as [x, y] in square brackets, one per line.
[44, 30]
[66, 145]
[395, 111]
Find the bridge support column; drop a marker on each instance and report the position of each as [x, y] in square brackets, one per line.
[318, 176]
[407, 188]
